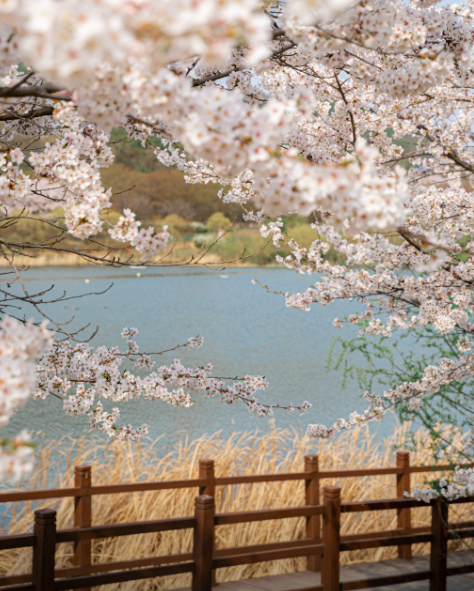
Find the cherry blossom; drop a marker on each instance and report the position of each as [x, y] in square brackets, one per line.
[358, 114]
[20, 345]
[82, 377]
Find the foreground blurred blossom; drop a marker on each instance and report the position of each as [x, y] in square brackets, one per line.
[20, 346]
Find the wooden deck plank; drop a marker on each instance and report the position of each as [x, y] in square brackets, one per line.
[361, 571]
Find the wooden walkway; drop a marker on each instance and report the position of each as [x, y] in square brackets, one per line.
[322, 510]
[362, 571]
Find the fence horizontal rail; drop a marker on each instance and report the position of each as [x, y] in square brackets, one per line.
[461, 534]
[381, 505]
[223, 552]
[123, 529]
[322, 474]
[17, 541]
[267, 555]
[123, 576]
[465, 569]
[267, 514]
[76, 571]
[440, 468]
[386, 533]
[38, 495]
[401, 531]
[58, 493]
[378, 471]
[461, 524]
[462, 500]
[15, 580]
[385, 541]
[113, 489]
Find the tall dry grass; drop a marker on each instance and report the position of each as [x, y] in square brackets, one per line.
[252, 452]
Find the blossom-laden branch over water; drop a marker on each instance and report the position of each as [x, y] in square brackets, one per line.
[99, 374]
[359, 113]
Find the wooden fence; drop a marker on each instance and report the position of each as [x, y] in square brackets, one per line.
[322, 545]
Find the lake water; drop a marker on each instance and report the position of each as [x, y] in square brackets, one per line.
[246, 331]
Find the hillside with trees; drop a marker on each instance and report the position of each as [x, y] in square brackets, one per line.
[156, 191]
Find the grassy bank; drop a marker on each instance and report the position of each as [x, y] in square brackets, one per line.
[189, 240]
[275, 450]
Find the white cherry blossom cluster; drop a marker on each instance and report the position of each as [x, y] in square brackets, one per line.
[352, 188]
[82, 377]
[73, 161]
[460, 485]
[147, 242]
[13, 182]
[71, 166]
[195, 342]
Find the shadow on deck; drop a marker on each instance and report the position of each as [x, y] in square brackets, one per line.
[361, 572]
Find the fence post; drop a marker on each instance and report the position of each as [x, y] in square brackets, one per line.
[331, 538]
[404, 515]
[313, 523]
[206, 471]
[203, 543]
[44, 549]
[83, 515]
[439, 545]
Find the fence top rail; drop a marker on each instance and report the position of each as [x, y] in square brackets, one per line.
[383, 471]
[40, 494]
[57, 493]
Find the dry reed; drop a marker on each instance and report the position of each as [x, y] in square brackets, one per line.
[254, 452]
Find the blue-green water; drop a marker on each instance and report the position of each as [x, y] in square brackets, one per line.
[246, 330]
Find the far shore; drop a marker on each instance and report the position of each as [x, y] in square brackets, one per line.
[73, 260]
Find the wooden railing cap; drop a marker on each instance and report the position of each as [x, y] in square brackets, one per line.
[332, 491]
[204, 501]
[45, 515]
[206, 462]
[82, 468]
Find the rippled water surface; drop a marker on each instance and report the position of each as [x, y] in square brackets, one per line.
[246, 330]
